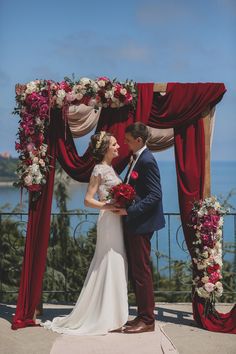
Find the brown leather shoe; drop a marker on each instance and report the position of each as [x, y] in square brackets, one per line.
[132, 322]
[118, 330]
[139, 327]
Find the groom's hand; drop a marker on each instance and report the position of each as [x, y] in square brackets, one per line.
[120, 211]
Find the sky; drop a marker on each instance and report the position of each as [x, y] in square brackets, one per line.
[147, 41]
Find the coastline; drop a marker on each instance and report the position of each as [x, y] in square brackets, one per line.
[6, 183]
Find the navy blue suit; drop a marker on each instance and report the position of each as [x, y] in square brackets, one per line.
[146, 214]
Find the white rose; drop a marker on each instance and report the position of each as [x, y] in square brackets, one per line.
[219, 285]
[61, 94]
[205, 279]
[205, 254]
[79, 96]
[41, 162]
[38, 121]
[201, 266]
[31, 87]
[123, 91]
[34, 168]
[35, 160]
[59, 102]
[108, 94]
[101, 83]
[28, 180]
[95, 86]
[85, 81]
[38, 179]
[202, 293]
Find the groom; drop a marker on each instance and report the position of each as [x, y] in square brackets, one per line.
[141, 220]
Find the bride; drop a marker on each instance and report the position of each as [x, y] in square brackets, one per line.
[102, 306]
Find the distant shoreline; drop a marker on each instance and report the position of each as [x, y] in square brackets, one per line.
[6, 183]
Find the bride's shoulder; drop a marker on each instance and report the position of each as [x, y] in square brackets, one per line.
[98, 170]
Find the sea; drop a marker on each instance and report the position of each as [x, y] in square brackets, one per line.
[168, 244]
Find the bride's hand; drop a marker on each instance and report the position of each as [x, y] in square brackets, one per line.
[120, 211]
[111, 207]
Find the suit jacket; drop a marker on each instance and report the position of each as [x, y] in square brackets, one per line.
[146, 213]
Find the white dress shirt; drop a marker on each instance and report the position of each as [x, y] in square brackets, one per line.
[137, 154]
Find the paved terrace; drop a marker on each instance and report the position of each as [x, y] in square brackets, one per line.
[175, 319]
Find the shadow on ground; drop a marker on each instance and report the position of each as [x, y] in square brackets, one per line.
[163, 314]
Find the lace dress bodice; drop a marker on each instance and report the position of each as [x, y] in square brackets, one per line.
[109, 178]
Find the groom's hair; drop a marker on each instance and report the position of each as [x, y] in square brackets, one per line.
[138, 130]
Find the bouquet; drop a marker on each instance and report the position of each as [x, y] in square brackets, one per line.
[207, 221]
[122, 194]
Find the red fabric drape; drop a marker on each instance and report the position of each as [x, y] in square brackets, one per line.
[182, 104]
[181, 109]
[36, 245]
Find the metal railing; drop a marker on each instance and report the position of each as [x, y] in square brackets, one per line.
[170, 257]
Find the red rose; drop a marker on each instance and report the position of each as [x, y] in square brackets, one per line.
[212, 269]
[134, 175]
[123, 194]
[65, 86]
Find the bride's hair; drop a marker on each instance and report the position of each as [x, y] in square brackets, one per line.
[99, 144]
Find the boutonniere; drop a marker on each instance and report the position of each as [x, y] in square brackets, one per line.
[134, 175]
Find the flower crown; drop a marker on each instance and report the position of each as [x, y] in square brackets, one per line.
[99, 142]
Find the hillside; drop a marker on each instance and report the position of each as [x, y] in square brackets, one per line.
[8, 168]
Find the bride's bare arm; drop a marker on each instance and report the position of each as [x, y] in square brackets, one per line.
[90, 201]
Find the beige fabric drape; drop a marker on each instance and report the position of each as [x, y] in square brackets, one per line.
[162, 139]
[82, 119]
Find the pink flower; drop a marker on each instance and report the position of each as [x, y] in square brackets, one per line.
[209, 287]
[30, 147]
[214, 277]
[104, 78]
[70, 97]
[65, 86]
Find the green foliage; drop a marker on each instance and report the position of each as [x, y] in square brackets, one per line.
[11, 254]
[68, 260]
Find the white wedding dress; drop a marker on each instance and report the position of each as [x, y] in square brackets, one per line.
[103, 302]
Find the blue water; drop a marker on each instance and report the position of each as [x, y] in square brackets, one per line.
[223, 180]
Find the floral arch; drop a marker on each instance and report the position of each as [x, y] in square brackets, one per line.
[51, 114]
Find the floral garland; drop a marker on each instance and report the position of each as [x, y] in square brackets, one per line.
[34, 102]
[207, 220]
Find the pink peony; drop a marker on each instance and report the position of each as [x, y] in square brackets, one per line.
[209, 287]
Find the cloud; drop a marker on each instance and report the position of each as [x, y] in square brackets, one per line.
[86, 48]
[156, 13]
